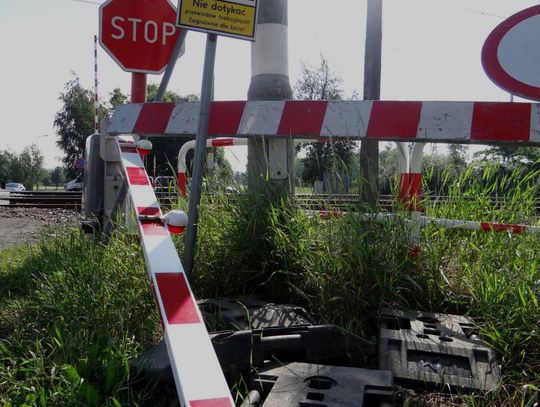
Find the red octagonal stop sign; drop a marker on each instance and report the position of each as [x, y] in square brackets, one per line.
[139, 34]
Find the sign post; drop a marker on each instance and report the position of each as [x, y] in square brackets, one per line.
[235, 19]
[511, 54]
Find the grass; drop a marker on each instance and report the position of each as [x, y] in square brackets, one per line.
[74, 313]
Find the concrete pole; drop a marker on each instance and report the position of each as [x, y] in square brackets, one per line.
[270, 159]
[369, 150]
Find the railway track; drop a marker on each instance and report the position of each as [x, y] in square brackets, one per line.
[73, 200]
[45, 199]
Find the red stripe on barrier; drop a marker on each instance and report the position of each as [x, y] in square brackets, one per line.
[496, 121]
[222, 402]
[148, 211]
[502, 227]
[137, 176]
[153, 228]
[129, 149]
[394, 119]
[222, 142]
[302, 118]
[153, 118]
[225, 117]
[180, 308]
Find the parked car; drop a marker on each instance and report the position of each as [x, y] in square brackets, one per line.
[15, 187]
[74, 184]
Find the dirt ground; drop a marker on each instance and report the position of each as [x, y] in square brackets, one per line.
[20, 226]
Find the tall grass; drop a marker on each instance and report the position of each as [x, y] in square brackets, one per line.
[344, 269]
[74, 314]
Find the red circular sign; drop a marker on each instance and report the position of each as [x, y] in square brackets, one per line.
[140, 35]
[511, 54]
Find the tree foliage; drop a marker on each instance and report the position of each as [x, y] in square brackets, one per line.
[26, 167]
[321, 158]
[74, 123]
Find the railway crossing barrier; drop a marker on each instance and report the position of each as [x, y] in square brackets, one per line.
[190, 145]
[198, 377]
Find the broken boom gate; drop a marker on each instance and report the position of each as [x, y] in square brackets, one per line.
[197, 373]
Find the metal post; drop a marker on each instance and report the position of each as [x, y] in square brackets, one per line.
[170, 66]
[200, 151]
[369, 149]
[270, 159]
[138, 87]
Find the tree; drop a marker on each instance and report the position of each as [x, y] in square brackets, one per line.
[116, 98]
[31, 161]
[26, 168]
[57, 176]
[322, 157]
[74, 123]
[510, 156]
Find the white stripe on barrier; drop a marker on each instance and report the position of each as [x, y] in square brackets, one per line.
[445, 120]
[125, 118]
[261, 117]
[184, 116]
[197, 373]
[346, 118]
[535, 123]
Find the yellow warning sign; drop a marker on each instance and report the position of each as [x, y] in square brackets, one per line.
[232, 18]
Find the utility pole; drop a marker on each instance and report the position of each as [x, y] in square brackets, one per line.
[270, 160]
[369, 150]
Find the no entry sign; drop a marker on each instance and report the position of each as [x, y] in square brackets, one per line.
[140, 35]
[231, 18]
[511, 54]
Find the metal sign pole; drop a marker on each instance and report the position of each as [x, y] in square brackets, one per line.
[170, 66]
[200, 150]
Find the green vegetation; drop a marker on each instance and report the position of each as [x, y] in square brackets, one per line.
[75, 313]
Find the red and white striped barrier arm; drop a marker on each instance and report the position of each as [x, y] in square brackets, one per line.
[182, 155]
[481, 226]
[197, 373]
[452, 122]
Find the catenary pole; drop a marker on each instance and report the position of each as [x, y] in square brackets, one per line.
[369, 149]
[270, 81]
[200, 151]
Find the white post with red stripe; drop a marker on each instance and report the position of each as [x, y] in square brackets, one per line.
[190, 145]
[414, 192]
[96, 98]
[404, 168]
[197, 373]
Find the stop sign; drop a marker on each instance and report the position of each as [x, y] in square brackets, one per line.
[139, 34]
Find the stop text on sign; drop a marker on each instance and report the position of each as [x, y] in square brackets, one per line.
[231, 18]
[137, 29]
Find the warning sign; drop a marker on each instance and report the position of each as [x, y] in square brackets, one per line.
[231, 18]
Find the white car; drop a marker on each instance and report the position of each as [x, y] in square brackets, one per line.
[15, 187]
[74, 184]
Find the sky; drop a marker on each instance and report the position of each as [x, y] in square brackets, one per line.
[431, 51]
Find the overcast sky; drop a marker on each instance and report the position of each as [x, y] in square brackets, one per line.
[431, 51]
